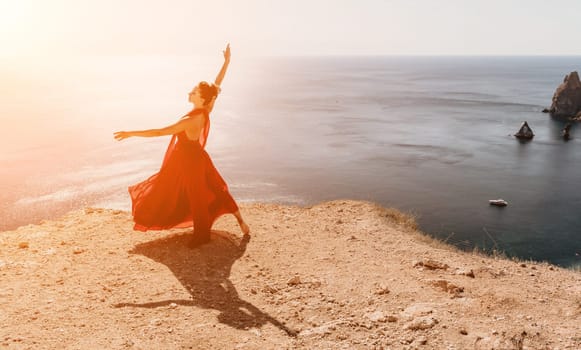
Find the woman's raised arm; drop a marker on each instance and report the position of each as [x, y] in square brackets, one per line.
[220, 76]
[222, 71]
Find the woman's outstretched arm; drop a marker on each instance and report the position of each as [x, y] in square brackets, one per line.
[194, 125]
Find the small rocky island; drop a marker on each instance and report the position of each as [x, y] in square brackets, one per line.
[567, 98]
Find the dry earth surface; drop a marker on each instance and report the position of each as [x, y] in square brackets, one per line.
[338, 275]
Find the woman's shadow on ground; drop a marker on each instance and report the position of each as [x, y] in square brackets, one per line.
[204, 272]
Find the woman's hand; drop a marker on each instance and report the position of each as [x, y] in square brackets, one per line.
[227, 53]
[121, 135]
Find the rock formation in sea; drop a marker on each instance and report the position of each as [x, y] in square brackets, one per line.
[566, 132]
[567, 97]
[525, 132]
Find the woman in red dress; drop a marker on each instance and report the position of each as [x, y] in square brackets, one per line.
[188, 190]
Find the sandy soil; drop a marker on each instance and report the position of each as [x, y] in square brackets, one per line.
[338, 275]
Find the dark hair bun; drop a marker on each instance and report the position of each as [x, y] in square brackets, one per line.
[208, 92]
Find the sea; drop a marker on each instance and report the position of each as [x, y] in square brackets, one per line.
[429, 135]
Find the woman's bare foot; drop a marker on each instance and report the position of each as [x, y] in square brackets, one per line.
[244, 228]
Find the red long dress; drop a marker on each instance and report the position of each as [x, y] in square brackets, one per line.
[187, 191]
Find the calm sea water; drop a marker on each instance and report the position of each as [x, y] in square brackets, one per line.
[428, 135]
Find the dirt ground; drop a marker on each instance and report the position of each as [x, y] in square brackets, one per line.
[338, 275]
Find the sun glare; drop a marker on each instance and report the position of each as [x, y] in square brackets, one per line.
[17, 25]
[11, 13]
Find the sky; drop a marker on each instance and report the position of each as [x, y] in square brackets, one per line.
[49, 29]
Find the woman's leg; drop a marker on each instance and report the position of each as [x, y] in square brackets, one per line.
[243, 226]
[202, 228]
[198, 198]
